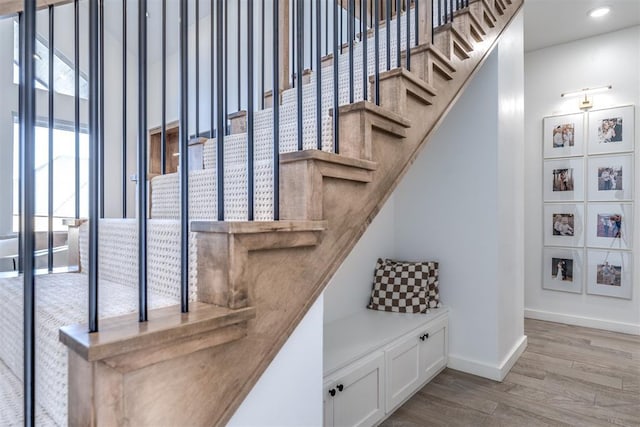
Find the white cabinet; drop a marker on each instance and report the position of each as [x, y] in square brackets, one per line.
[354, 396]
[413, 360]
[375, 361]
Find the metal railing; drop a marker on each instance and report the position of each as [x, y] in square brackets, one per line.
[324, 36]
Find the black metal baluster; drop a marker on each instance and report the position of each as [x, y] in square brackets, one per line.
[299, 64]
[250, 112]
[184, 152]
[101, 182]
[142, 160]
[341, 26]
[416, 16]
[311, 34]
[398, 35]
[262, 37]
[408, 36]
[225, 91]
[336, 85]
[27, 160]
[212, 63]
[451, 10]
[351, 35]
[76, 79]
[439, 12]
[318, 75]
[163, 129]
[21, 41]
[239, 44]
[197, 66]
[94, 159]
[275, 97]
[365, 60]
[388, 27]
[50, 157]
[376, 39]
[220, 106]
[124, 107]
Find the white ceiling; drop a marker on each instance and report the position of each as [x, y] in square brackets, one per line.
[551, 22]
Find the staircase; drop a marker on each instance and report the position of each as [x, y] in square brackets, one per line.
[257, 279]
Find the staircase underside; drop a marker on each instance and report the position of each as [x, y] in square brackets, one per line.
[280, 268]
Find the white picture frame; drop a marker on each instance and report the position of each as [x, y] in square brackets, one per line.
[610, 273]
[563, 136]
[610, 178]
[610, 225]
[564, 224]
[611, 130]
[563, 270]
[567, 188]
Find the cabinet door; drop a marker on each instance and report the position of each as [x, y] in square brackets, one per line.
[433, 351]
[359, 399]
[403, 370]
[327, 402]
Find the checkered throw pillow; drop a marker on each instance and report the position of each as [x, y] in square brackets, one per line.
[405, 287]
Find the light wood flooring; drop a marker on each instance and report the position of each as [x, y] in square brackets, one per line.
[567, 376]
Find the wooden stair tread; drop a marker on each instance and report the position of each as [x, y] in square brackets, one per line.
[324, 156]
[124, 334]
[252, 227]
[372, 108]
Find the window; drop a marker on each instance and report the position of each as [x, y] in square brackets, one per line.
[63, 175]
[63, 70]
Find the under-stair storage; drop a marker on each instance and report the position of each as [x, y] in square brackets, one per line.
[374, 361]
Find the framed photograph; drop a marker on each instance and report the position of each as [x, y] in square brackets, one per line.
[611, 130]
[563, 270]
[610, 178]
[563, 224]
[563, 180]
[563, 135]
[609, 273]
[610, 225]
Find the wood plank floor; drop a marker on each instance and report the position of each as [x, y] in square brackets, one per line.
[568, 375]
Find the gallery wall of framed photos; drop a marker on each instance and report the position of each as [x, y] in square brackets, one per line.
[588, 200]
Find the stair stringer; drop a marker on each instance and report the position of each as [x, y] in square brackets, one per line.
[205, 387]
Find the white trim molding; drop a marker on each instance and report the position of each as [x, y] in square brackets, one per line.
[485, 370]
[587, 322]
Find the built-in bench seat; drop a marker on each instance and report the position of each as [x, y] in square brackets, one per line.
[374, 361]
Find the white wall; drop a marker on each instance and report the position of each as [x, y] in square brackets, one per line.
[607, 59]
[349, 290]
[289, 393]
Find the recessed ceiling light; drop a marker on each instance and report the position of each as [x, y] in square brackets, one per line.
[599, 12]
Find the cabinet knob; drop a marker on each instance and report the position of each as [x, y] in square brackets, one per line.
[332, 392]
[424, 337]
[340, 387]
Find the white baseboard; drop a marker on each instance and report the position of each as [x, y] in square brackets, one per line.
[485, 370]
[587, 322]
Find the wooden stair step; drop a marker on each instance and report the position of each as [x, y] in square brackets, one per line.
[451, 42]
[126, 342]
[399, 85]
[484, 12]
[301, 180]
[223, 251]
[428, 61]
[500, 6]
[360, 121]
[469, 25]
